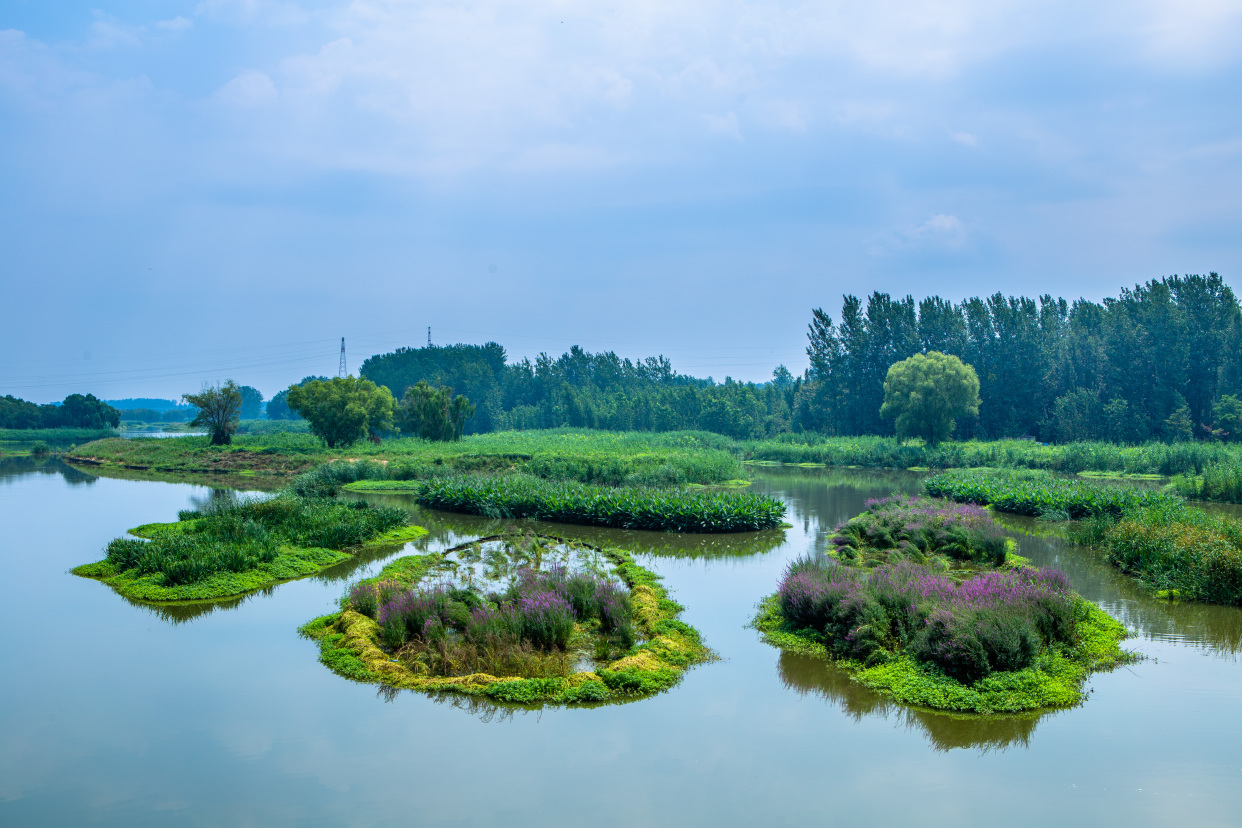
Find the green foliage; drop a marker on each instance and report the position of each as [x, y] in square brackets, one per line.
[1227, 417]
[343, 410]
[1177, 549]
[888, 452]
[251, 402]
[1220, 482]
[78, 411]
[1037, 493]
[219, 409]
[926, 393]
[433, 413]
[522, 496]
[247, 535]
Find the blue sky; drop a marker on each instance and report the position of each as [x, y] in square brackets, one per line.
[203, 190]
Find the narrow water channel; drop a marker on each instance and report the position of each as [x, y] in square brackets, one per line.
[117, 714]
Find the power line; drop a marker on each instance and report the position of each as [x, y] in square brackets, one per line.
[342, 373]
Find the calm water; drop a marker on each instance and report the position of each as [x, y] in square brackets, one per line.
[115, 714]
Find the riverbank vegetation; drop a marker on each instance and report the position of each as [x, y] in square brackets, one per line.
[237, 546]
[598, 457]
[519, 618]
[1040, 494]
[920, 600]
[661, 510]
[1175, 549]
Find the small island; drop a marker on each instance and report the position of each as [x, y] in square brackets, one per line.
[235, 548]
[924, 600]
[517, 618]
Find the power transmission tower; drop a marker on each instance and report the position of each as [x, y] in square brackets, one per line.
[428, 336]
[342, 373]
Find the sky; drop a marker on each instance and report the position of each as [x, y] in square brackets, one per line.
[198, 190]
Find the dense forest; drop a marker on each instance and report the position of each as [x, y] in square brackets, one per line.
[587, 390]
[77, 411]
[1160, 361]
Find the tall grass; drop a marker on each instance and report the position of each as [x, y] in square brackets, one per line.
[1221, 482]
[889, 452]
[243, 535]
[1179, 550]
[664, 510]
[1038, 493]
[920, 529]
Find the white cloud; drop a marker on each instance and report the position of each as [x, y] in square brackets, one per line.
[177, 24]
[725, 124]
[939, 234]
[249, 89]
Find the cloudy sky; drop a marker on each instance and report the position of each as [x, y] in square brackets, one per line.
[196, 190]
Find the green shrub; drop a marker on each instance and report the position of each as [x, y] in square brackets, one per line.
[1036, 493]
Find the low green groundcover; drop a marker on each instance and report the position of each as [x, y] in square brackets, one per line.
[519, 618]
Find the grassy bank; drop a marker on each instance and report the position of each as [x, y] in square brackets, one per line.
[598, 457]
[532, 649]
[240, 547]
[15, 437]
[1165, 459]
[920, 600]
[1178, 551]
[661, 510]
[1221, 483]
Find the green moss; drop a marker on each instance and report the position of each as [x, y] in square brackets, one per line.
[350, 645]
[1055, 680]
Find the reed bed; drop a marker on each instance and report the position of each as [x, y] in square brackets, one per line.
[662, 510]
[1165, 459]
[1221, 483]
[1040, 494]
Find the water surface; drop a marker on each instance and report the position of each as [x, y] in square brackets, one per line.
[116, 714]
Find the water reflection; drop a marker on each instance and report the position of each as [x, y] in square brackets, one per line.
[944, 731]
[12, 468]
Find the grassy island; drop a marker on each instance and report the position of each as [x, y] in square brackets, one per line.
[523, 496]
[923, 601]
[518, 618]
[238, 547]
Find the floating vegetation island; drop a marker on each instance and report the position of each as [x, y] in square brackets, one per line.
[924, 601]
[516, 618]
[237, 547]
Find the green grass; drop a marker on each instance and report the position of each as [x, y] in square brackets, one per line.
[664, 510]
[242, 547]
[1221, 483]
[1037, 493]
[1153, 458]
[350, 645]
[56, 436]
[1055, 680]
[609, 458]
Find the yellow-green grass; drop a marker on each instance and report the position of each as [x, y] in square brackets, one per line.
[291, 563]
[350, 645]
[1055, 680]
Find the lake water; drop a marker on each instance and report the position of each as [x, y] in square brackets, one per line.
[116, 714]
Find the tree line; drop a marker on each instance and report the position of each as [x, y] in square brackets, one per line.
[76, 411]
[1161, 361]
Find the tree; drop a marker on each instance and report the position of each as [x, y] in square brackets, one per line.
[78, 411]
[342, 410]
[925, 394]
[218, 409]
[433, 413]
[252, 402]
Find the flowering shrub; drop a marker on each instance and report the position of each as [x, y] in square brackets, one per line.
[915, 528]
[995, 620]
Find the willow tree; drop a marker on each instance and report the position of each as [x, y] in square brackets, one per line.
[342, 410]
[218, 409]
[926, 394]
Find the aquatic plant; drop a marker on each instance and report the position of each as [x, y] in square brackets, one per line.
[667, 510]
[1036, 493]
